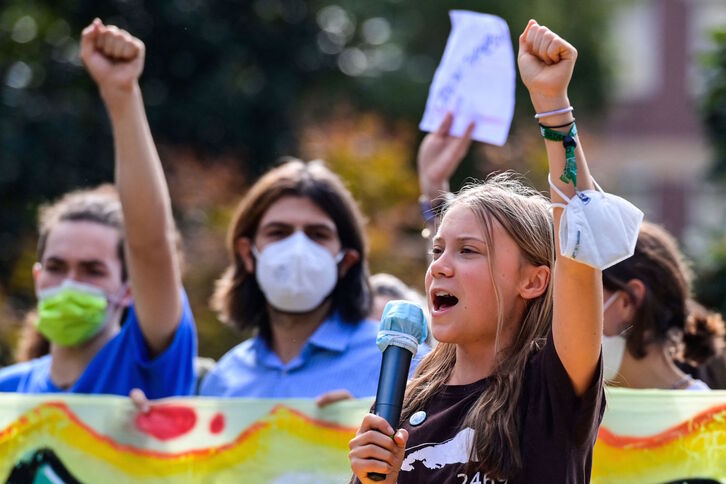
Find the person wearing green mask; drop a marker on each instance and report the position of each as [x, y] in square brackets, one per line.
[108, 280]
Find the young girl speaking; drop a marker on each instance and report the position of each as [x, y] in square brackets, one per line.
[513, 391]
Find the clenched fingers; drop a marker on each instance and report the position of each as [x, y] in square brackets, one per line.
[549, 47]
[116, 44]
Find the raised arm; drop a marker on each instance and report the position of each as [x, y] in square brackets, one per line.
[546, 62]
[115, 60]
[438, 157]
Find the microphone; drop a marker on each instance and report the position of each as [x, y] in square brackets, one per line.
[403, 328]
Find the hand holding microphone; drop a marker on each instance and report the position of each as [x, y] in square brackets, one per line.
[403, 328]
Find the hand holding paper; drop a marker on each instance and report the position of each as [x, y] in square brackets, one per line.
[438, 157]
[475, 79]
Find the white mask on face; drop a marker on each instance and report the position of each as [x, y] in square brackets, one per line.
[613, 347]
[295, 273]
[597, 228]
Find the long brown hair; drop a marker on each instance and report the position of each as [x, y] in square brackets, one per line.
[524, 214]
[238, 298]
[664, 316]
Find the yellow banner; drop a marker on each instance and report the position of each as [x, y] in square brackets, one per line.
[646, 436]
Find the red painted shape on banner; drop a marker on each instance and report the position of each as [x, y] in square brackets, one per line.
[248, 433]
[166, 422]
[217, 424]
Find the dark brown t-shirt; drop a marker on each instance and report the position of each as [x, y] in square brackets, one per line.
[558, 429]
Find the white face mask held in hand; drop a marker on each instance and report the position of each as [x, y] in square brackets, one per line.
[613, 347]
[597, 228]
[295, 273]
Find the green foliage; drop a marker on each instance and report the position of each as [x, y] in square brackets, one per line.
[220, 77]
[710, 285]
[714, 106]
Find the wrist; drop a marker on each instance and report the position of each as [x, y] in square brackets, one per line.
[544, 102]
[556, 110]
[433, 191]
[118, 100]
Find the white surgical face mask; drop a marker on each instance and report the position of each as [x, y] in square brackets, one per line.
[597, 228]
[613, 347]
[295, 273]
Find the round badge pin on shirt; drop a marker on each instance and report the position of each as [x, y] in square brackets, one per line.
[417, 418]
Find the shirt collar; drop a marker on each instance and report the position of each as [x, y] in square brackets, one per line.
[333, 334]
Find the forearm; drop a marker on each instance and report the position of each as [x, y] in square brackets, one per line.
[139, 176]
[115, 60]
[433, 191]
[556, 150]
[577, 308]
[151, 255]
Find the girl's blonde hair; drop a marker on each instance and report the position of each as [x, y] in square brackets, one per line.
[525, 215]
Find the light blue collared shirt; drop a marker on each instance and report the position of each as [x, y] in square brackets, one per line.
[338, 355]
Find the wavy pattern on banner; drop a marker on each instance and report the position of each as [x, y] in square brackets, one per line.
[284, 446]
[207, 441]
[693, 449]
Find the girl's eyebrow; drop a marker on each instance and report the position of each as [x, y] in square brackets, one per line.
[470, 238]
[462, 239]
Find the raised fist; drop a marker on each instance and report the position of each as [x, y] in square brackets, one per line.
[113, 57]
[545, 61]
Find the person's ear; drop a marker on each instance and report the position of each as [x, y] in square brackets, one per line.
[243, 248]
[126, 299]
[37, 267]
[634, 296]
[350, 258]
[535, 281]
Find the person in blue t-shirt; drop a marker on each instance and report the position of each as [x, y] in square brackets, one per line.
[106, 257]
[299, 278]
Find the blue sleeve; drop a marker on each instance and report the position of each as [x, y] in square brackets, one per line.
[170, 373]
[210, 386]
[27, 377]
[12, 376]
[125, 363]
[233, 367]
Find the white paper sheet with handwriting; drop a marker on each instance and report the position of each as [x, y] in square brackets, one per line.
[475, 79]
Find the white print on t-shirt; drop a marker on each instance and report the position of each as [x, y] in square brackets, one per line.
[476, 479]
[436, 456]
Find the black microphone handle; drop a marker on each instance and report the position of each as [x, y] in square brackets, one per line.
[391, 388]
[392, 384]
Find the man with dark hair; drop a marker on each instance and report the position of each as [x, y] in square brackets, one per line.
[299, 278]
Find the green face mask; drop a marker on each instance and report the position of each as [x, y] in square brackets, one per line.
[72, 313]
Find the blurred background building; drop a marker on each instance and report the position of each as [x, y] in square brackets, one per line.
[651, 142]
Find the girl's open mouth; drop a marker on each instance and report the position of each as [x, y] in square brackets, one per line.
[443, 300]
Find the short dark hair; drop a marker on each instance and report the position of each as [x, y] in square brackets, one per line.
[100, 205]
[238, 298]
